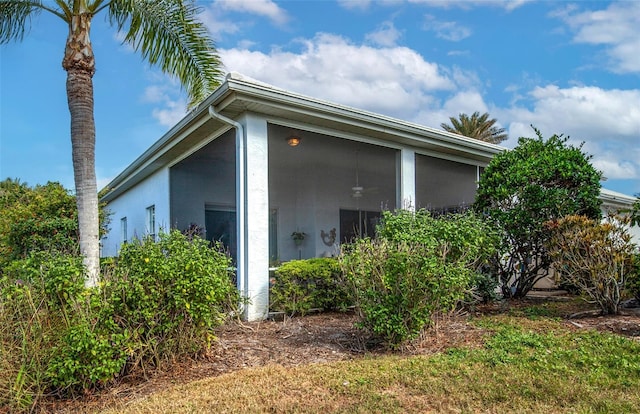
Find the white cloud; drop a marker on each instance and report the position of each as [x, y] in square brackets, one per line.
[166, 95]
[172, 112]
[458, 53]
[589, 109]
[614, 169]
[265, 8]
[508, 5]
[153, 94]
[216, 25]
[362, 5]
[608, 121]
[355, 4]
[246, 44]
[386, 35]
[464, 101]
[393, 80]
[446, 30]
[616, 28]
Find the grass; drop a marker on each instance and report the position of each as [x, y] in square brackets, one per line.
[530, 363]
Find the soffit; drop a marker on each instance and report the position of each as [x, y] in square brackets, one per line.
[237, 95]
[304, 110]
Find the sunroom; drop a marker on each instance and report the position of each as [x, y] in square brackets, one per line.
[277, 176]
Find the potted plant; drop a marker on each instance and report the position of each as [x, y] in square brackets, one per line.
[298, 237]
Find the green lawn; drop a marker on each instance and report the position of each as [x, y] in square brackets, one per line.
[530, 363]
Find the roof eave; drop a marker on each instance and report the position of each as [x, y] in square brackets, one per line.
[237, 88]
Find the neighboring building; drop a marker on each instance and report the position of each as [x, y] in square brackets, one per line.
[253, 164]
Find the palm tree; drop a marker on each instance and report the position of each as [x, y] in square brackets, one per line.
[477, 126]
[168, 35]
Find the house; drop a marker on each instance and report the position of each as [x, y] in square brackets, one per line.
[254, 164]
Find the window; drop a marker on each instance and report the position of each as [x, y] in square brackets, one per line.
[151, 221]
[357, 223]
[220, 225]
[123, 230]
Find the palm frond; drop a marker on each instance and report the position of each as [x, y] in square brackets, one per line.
[15, 18]
[169, 35]
[476, 126]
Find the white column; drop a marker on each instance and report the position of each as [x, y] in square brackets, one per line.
[406, 179]
[253, 240]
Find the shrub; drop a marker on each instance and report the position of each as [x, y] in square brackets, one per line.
[302, 285]
[596, 257]
[49, 334]
[520, 190]
[418, 265]
[42, 218]
[157, 301]
[633, 283]
[483, 286]
[168, 296]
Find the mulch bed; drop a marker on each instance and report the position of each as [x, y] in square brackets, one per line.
[316, 338]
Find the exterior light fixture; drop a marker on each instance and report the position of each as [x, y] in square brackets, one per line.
[294, 140]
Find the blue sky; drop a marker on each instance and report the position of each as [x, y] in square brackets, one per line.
[571, 68]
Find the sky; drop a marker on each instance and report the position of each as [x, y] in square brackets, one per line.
[569, 68]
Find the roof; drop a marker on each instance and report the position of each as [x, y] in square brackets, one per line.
[615, 199]
[239, 94]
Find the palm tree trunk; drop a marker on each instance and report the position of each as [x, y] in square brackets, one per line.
[80, 66]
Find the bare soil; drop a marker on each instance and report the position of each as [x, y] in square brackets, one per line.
[320, 338]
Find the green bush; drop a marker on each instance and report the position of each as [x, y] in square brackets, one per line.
[42, 218]
[89, 354]
[483, 286]
[419, 265]
[521, 189]
[168, 296]
[596, 257]
[157, 301]
[39, 218]
[633, 283]
[302, 285]
[50, 337]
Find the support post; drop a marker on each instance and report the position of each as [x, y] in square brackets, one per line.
[406, 179]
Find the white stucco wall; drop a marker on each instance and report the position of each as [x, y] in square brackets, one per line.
[406, 177]
[253, 246]
[154, 190]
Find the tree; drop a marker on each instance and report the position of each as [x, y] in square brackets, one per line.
[634, 214]
[476, 126]
[42, 218]
[522, 189]
[596, 257]
[167, 34]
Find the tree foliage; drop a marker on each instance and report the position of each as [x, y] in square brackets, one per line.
[634, 216]
[160, 301]
[40, 218]
[520, 190]
[417, 266]
[476, 126]
[302, 285]
[166, 33]
[596, 257]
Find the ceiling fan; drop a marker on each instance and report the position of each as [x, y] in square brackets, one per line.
[357, 191]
